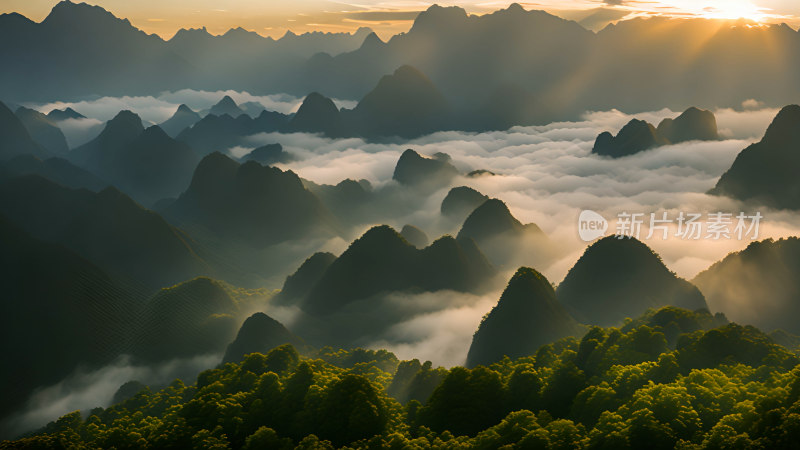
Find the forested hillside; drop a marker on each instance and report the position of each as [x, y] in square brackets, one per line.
[669, 379]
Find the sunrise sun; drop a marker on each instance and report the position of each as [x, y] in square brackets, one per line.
[733, 9]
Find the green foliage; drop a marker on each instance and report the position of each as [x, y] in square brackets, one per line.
[728, 387]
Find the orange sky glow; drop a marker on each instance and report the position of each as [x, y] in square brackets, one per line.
[274, 18]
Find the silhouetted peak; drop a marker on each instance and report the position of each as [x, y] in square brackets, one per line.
[694, 124]
[439, 17]
[785, 127]
[67, 113]
[192, 33]
[215, 168]
[636, 136]
[379, 236]
[227, 102]
[126, 122]
[317, 100]
[635, 124]
[410, 154]
[260, 320]
[527, 316]
[184, 109]
[363, 31]
[491, 218]
[516, 7]
[613, 248]
[461, 200]
[317, 114]
[372, 41]
[13, 20]
[413, 169]
[260, 333]
[617, 278]
[527, 286]
[238, 31]
[77, 15]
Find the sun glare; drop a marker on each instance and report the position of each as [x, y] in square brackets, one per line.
[732, 10]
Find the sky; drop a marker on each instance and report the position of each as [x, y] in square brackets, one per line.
[389, 17]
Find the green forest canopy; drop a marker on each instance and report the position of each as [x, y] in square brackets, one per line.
[669, 379]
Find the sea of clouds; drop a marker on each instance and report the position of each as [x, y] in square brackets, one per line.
[545, 174]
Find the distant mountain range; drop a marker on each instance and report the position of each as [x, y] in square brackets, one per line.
[78, 64]
[492, 71]
[145, 163]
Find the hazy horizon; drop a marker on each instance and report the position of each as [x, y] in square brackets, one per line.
[389, 18]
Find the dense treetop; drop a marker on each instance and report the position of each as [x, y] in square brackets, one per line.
[655, 383]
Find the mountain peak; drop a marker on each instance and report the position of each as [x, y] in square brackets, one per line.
[767, 170]
[415, 169]
[785, 127]
[527, 316]
[64, 114]
[405, 103]
[189, 33]
[491, 218]
[227, 101]
[126, 119]
[694, 124]
[226, 106]
[372, 41]
[439, 16]
[184, 109]
[461, 201]
[379, 235]
[318, 114]
[260, 333]
[78, 15]
[618, 278]
[636, 136]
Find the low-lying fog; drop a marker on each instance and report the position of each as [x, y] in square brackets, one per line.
[546, 174]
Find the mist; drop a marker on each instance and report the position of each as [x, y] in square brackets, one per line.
[547, 175]
[156, 109]
[88, 389]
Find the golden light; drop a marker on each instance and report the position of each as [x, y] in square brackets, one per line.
[722, 9]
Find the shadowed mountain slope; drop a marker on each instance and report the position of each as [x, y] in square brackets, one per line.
[759, 285]
[527, 316]
[619, 278]
[766, 172]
